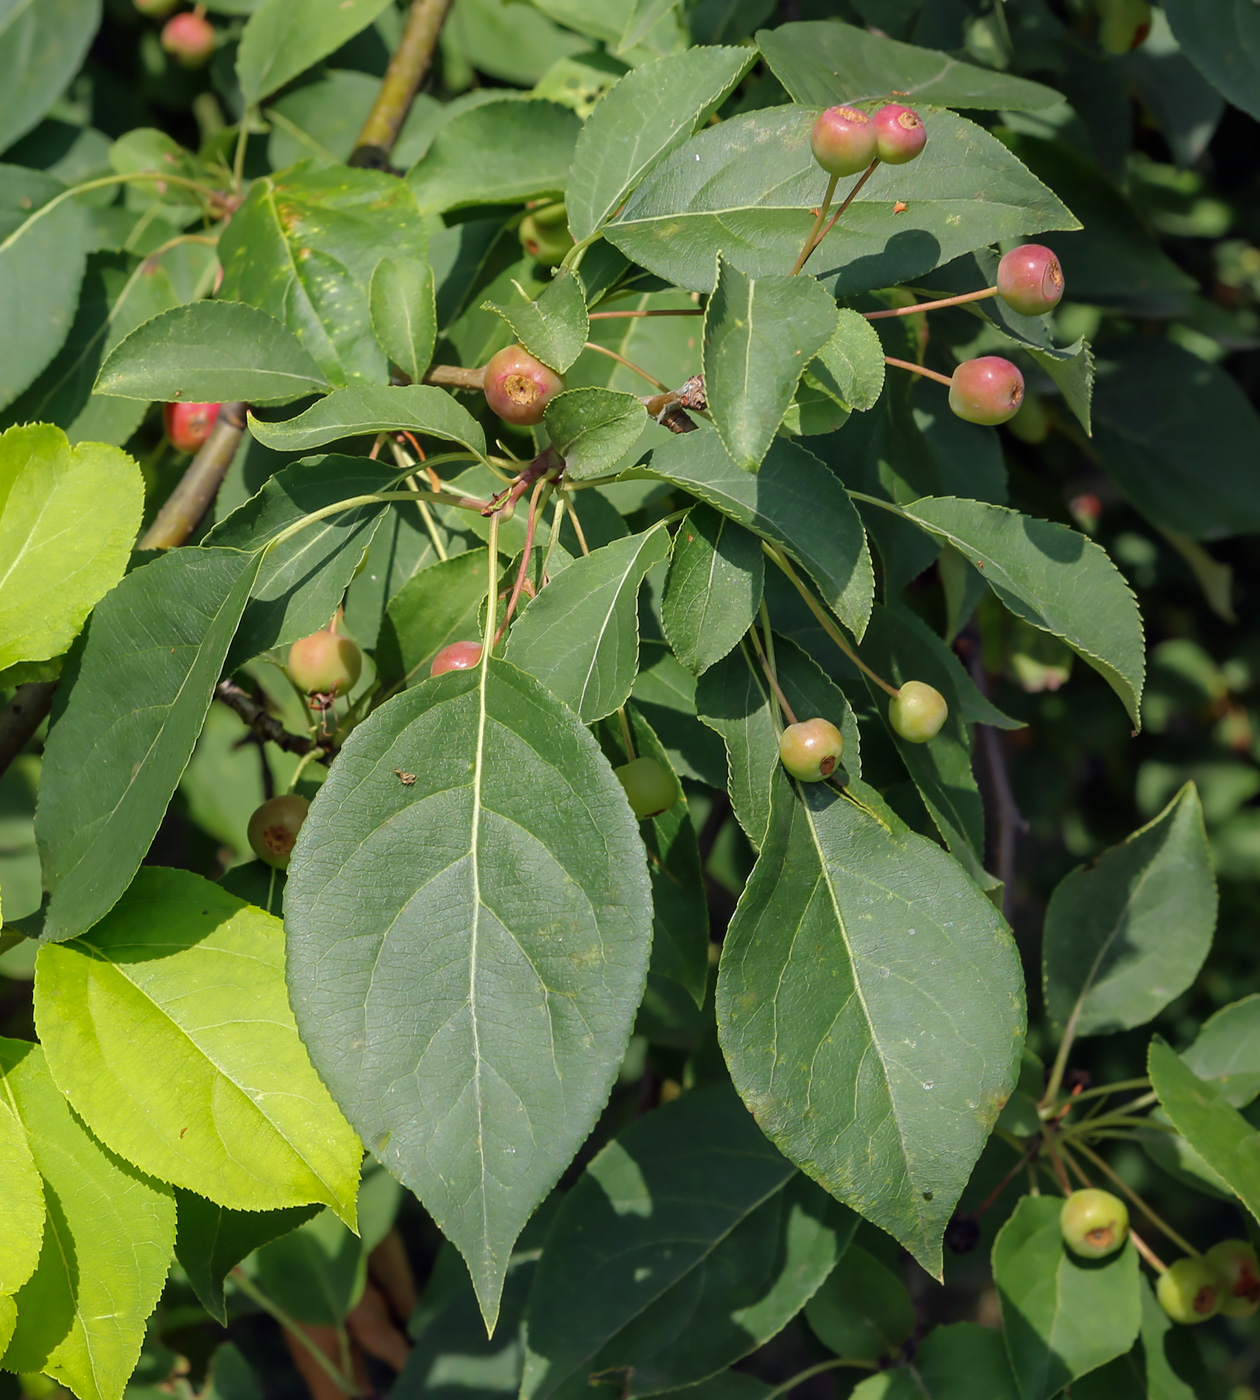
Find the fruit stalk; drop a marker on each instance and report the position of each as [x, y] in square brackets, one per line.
[267, 727]
[918, 369]
[961, 300]
[818, 223]
[779, 696]
[808, 250]
[1159, 1223]
[406, 71]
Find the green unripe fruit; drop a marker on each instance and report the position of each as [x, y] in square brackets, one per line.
[325, 663]
[544, 234]
[1094, 1223]
[988, 390]
[156, 9]
[1235, 1262]
[843, 141]
[648, 785]
[918, 712]
[1124, 25]
[274, 827]
[811, 749]
[1190, 1291]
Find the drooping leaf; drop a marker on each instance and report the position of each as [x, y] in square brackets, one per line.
[747, 186]
[861, 1063]
[438, 605]
[759, 334]
[1127, 933]
[279, 41]
[554, 326]
[211, 352]
[404, 313]
[54, 571]
[794, 501]
[503, 930]
[126, 718]
[363, 409]
[580, 636]
[714, 587]
[107, 1243]
[41, 48]
[1052, 577]
[823, 62]
[662, 1264]
[649, 112]
[862, 1310]
[1062, 1317]
[1222, 41]
[592, 429]
[23, 1192]
[1226, 1051]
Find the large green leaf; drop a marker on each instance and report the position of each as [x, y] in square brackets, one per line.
[1052, 577]
[212, 1092]
[580, 636]
[862, 1310]
[554, 326]
[1127, 933]
[714, 587]
[677, 1252]
[1222, 40]
[497, 152]
[39, 292]
[54, 571]
[107, 1243]
[759, 334]
[127, 716]
[42, 43]
[303, 248]
[747, 186]
[466, 953]
[1226, 1051]
[1212, 1126]
[1061, 1316]
[794, 501]
[211, 352]
[282, 40]
[871, 1009]
[23, 1195]
[438, 605]
[823, 62]
[593, 429]
[363, 409]
[649, 112]
[961, 1362]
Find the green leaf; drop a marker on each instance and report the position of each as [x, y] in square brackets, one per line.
[1062, 1317]
[853, 360]
[961, 1362]
[733, 698]
[842, 977]
[794, 501]
[55, 572]
[211, 352]
[23, 1194]
[363, 409]
[1226, 1141]
[555, 327]
[759, 334]
[1160, 414]
[496, 153]
[436, 606]
[39, 293]
[747, 186]
[580, 636]
[213, 1093]
[41, 48]
[1127, 933]
[1227, 1051]
[822, 63]
[210, 1241]
[300, 582]
[675, 1254]
[593, 429]
[501, 935]
[281, 41]
[125, 720]
[713, 589]
[1052, 577]
[404, 313]
[1222, 41]
[650, 111]
[107, 1243]
[303, 248]
[862, 1310]
[644, 17]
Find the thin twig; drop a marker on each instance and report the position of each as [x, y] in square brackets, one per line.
[294, 1328]
[1008, 820]
[267, 727]
[620, 315]
[818, 223]
[932, 305]
[184, 508]
[629, 364]
[807, 253]
[406, 71]
[455, 377]
[919, 369]
[531, 525]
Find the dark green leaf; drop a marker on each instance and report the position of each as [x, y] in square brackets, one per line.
[853, 361]
[714, 587]
[281, 41]
[862, 1310]
[404, 313]
[1222, 40]
[592, 429]
[554, 327]
[364, 409]
[1227, 1051]
[961, 1362]
[41, 47]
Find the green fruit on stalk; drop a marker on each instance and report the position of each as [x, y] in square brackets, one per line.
[811, 749]
[1094, 1223]
[274, 827]
[917, 712]
[843, 141]
[1190, 1290]
[325, 663]
[648, 785]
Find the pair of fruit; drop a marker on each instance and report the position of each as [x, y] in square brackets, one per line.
[811, 749]
[845, 140]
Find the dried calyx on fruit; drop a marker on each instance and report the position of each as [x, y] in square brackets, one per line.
[843, 141]
[988, 390]
[811, 749]
[518, 387]
[899, 134]
[1094, 1223]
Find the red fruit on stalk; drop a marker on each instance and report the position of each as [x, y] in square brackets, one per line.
[188, 424]
[325, 663]
[189, 38]
[519, 387]
[843, 141]
[1030, 280]
[899, 133]
[274, 827]
[988, 390]
[459, 656]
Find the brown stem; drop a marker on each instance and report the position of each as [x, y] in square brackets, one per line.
[406, 71]
[808, 250]
[808, 246]
[932, 305]
[618, 315]
[455, 377]
[22, 717]
[919, 369]
[265, 726]
[184, 507]
[770, 676]
[1008, 819]
[629, 364]
[548, 463]
[531, 525]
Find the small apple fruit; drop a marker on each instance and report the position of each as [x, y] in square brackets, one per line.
[1190, 1290]
[1094, 1223]
[459, 656]
[189, 38]
[325, 663]
[843, 141]
[899, 133]
[1235, 1262]
[810, 749]
[274, 827]
[988, 390]
[188, 424]
[918, 712]
[648, 785]
[519, 387]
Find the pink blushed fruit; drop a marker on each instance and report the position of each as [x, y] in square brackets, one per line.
[1030, 280]
[188, 424]
[189, 39]
[899, 133]
[843, 141]
[988, 390]
[459, 656]
[325, 663]
[519, 387]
